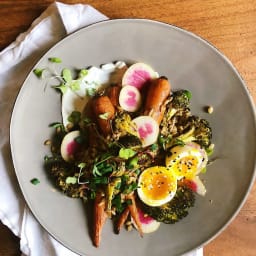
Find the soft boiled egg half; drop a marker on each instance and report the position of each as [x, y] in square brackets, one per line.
[156, 185]
[187, 160]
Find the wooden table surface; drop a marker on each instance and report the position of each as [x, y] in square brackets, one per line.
[228, 24]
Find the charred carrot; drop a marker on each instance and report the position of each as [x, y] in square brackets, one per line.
[100, 217]
[113, 94]
[122, 219]
[104, 111]
[158, 92]
[134, 212]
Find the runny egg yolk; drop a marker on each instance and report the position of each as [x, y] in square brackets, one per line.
[186, 161]
[185, 166]
[157, 186]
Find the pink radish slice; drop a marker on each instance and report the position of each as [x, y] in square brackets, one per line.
[138, 74]
[147, 129]
[130, 98]
[69, 146]
[196, 185]
[148, 224]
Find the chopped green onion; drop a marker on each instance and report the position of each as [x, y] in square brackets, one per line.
[35, 181]
[55, 60]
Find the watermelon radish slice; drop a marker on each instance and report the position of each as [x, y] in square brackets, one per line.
[196, 185]
[148, 224]
[69, 146]
[147, 129]
[138, 74]
[130, 98]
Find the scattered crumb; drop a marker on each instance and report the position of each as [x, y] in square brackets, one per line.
[209, 109]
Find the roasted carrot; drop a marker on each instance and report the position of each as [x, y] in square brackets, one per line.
[104, 111]
[134, 212]
[100, 217]
[113, 94]
[122, 219]
[158, 92]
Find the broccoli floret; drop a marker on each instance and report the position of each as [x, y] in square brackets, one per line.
[174, 210]
[60, 171]
[198, 130]
[181, 99]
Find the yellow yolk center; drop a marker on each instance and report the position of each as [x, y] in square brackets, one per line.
[186, 166]
[157, 183]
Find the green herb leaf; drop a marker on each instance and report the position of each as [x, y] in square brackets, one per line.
[87, 120]
[57, 125]
[126, 153]
[130, 187]
[83, 73]
[38, 72]
[75, 85]
[74, 117]
[188, 94]
[71, 180]
[154, 147]
[66, 75]
[133, 162]
[55, 60]
[81, 165]
[62, 87]
[35, 181]
[104, 116]
[91, 92]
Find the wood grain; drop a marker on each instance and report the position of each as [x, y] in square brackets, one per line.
[230, 25]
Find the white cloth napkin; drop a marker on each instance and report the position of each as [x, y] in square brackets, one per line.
[15, 62]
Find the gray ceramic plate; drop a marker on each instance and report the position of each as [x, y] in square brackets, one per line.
[189, 62]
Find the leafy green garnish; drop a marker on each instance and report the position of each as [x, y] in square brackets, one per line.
[126, 153]
[130, 187]
[82, 73]
[104, 116]
[66, 75]
[188, 94]
[87, 120]
[35, 181]
[62, 87]
[133, 162]
[38, 72]
[91, 92]
[71, 180]
[55, 60]
[154, 147]
[74, 117]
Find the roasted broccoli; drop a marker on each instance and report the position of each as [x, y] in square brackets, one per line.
[181, 99]
[197, 130]
[174, 210]
[61, 171]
